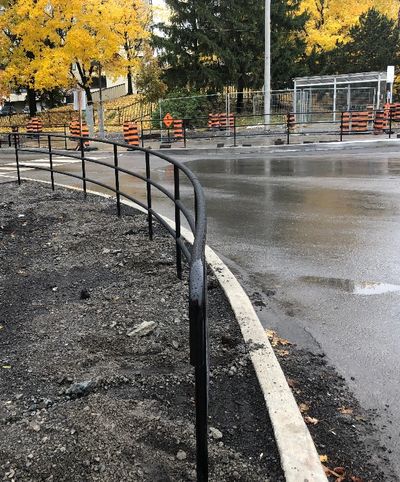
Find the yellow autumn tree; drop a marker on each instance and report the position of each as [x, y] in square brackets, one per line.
[330, 20]
[61, 43]
[131, 24]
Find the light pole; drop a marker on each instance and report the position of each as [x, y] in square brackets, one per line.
[267, 64]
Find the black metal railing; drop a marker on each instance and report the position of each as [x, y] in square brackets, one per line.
[194, 253]
[292, 127]
[289, 128]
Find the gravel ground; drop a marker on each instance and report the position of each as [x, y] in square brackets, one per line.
[85, 394]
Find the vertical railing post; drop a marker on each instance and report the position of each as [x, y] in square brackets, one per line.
[65, 137]
[17, 158]
[141, 132]
[148, 188]
[177, 222]
[184, 133]
[199, 359]
[50, 161]
[82, 149]
[341, 126]
[116, 172]
[288, 128]
[234, 130]
[390, 122]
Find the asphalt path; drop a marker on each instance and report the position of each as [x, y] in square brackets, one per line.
[316, 238]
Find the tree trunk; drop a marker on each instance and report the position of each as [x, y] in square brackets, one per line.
[89, 111]
[130, 82]
[239, 100]
[31, 98]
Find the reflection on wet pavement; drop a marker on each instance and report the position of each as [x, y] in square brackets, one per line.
[363, 288]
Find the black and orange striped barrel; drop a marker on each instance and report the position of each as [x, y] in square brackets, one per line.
[291, 120]
[178, 130]
[131, 133]
[359, 122]
[34, 125]
[223, 121]
[345, 122]
[380, 122]
[215, 121]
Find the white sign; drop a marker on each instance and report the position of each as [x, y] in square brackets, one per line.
[79, 100]
[390, 74]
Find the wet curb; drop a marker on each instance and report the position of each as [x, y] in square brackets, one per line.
[299, 458]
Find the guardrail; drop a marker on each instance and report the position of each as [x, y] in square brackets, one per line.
[194, 254]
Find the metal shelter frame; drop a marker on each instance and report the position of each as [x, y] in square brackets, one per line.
[334, 81]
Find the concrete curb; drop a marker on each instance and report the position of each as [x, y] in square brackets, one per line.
[299, 458]
[314, 147]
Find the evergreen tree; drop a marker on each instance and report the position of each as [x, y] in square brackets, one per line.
[373, 45]
[211, 44]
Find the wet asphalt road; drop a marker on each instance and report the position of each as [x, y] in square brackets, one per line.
[322, 232]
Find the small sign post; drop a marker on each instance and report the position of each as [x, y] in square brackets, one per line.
[390, 80]
[168, 120]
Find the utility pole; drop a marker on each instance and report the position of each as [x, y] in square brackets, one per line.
[267, 64]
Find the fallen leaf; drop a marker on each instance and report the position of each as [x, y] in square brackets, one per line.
[340, 470]
[283, 352]
[356, 479]
[323, 458]
[292, 383]
[311, 420]
[329, 472]
[276, 340]
[304, 407]
[345, 411]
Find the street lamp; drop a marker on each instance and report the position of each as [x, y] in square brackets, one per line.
[267, 64]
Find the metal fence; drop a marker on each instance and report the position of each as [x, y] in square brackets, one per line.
[53, 144]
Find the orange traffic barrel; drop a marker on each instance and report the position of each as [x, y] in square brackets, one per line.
[34, 125]
[380, 122]
[74, 127]
[345, 122]
[131, 133]
[178, 130]
[223, 121]
[215, 121]
[75, 130]
[395, 111]
[359, 122]
[291, 120]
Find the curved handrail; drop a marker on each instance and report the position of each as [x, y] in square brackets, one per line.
[198, 338]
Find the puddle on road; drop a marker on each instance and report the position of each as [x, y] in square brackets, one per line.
[361, 288]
